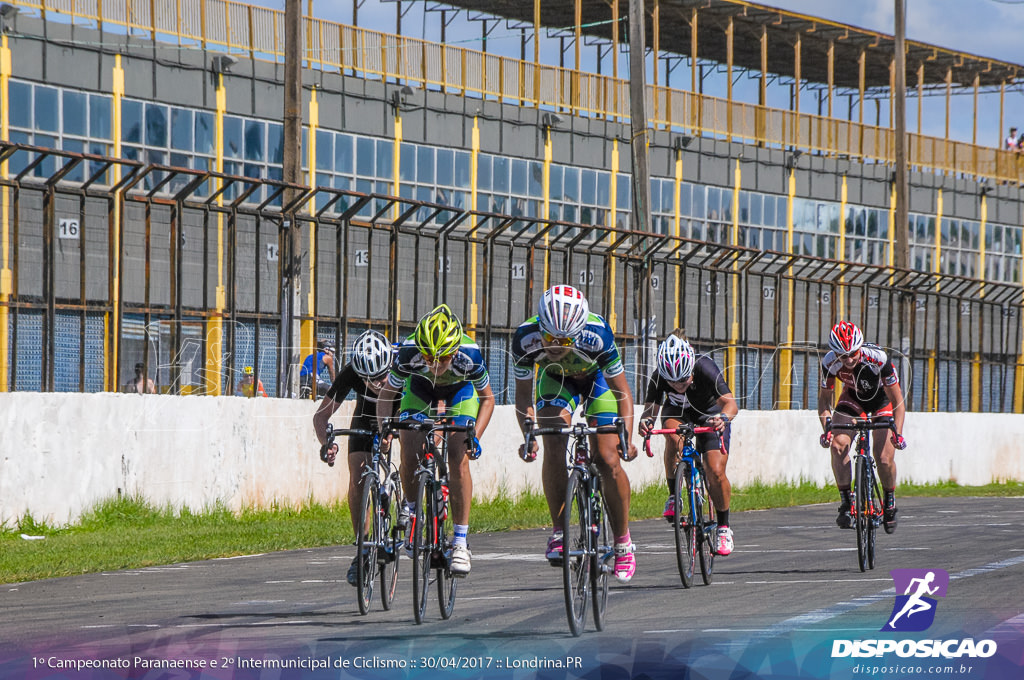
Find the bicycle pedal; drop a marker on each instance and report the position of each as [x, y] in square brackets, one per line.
[555, 561]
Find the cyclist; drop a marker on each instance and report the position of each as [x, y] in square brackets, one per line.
[365, 374]
[438, 362]
[695, 390]
[870, 387]
[318, 369]
[577, 362]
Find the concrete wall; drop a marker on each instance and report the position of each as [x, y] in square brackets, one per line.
[61, 453]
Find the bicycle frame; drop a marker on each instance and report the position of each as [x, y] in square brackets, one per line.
[695, 534]
[867, 508]
[585, 557]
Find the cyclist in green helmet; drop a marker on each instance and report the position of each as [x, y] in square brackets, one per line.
[438, 362]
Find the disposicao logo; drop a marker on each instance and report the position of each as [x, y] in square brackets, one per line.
[914, 610]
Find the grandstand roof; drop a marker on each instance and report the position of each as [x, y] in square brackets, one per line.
[782, 28]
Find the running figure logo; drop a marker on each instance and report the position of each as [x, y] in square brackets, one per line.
[914, 610]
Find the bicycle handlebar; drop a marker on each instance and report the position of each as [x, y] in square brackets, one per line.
[858, 424]
[578, 430]
[683, 430]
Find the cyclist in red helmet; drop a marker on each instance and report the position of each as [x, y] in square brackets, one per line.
[870, 386]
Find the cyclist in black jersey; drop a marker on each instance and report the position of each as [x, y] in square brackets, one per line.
[694, 391]
[372, 357]
[870, 386]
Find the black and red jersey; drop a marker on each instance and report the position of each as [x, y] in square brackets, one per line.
[864, 383]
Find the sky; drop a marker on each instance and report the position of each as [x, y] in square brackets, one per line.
[990, 28]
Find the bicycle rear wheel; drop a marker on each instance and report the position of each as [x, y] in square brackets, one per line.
[708, 528]
[367, 543]
[685, 524]
[447, 584]
[603, 559]
[863, 520]
[576, 562]
[390, 550]
[421, 535]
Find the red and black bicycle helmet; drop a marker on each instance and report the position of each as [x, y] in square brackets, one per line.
[845, 338]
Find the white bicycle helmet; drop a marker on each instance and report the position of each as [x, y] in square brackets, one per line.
[675, 359]
[372, 354]
[563, 312]
[845, 338]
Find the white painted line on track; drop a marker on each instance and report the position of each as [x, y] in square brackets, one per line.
[276, 582]
[491, 597]
[322, 580]
[239, 557]
[237, 625]
[255, 602]
[820, 580]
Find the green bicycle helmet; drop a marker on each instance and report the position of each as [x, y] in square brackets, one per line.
[439, 333]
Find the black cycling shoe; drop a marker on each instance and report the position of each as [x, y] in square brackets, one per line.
[889, 519]
[845, 518]
[353, 572]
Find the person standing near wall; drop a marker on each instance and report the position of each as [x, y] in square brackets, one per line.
[248, 386]
[140, 384]
[317, 371]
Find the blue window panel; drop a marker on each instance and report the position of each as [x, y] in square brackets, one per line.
[68, 353]
[275, 143]
[554, 181]
[254, 147]
[500, 175]
[20, 160]
[323, 179]
[95, 328]
[407, 163]
[385, 159]
[78, 173]
[100, 116]
[156, 125]
[179, 160]
[588, 187]
[275, 173]
[365, 166]
[604, 189]
[232, 137]
[49, 165]
[483, 173]
[231, 168]
[462, 170]
[256, 172]
[697, 206]
[205, 133]
[571, 184]
[520, 170]
[20, 98]
[268, 358]
[425, 165]
[756, 205]
[624, 191]
[28, 359]
[344, 154]
[131, 122]
[47, 109]
[445, 167]
[181, 129]
[668, 198]
[655, 195]
[75, 113]
[324, 150]
[304, 152]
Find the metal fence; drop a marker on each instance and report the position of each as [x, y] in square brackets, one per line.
[180, 269]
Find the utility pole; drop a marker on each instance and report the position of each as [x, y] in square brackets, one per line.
[901, 240]
[638, 147]
[290, 243]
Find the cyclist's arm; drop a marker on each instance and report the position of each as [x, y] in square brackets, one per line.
[386, 403]
[728, 405]
[323, 414]
[826, 398]
[650, 412]
[483, 416]
[524, 401]
[619, 386]
[899, 409]
[329, 362]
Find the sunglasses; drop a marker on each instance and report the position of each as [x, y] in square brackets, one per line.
[561, 342]
[435, 359]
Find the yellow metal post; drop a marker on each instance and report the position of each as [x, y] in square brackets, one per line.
[611, 316]
[474, 160]
[976, 386]
[6, 278]
[307, 327]
[113, 319]
[933, 375]
[215, 325]
[786, 351]
[734, 326]
[841, 252]
[546, 204]
[677, 210]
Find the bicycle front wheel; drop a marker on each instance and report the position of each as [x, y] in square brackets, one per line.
[421, 535]
[576, 552]
[685, 523]
[875, 514]
[447, 584]
[390, 550]
[861, 497]
[705, 513]
[603, 559]
[367, 543]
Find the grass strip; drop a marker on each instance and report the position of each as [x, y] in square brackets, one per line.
[130, 532]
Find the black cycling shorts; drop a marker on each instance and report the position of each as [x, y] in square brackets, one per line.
[361, 442]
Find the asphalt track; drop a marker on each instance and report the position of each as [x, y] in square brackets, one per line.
[775, 607]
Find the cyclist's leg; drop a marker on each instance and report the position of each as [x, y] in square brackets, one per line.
[359, 458]
[556, 400]
[884, 453]
[844, 414]
[714, 454]
[601, 408]
[671, 418]
[462, 406]
[415, 405]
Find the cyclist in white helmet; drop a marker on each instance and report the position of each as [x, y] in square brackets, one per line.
[365, 374]
[577, 363]
[694, 392]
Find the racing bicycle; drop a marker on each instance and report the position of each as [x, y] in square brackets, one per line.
[694, 523]
[588, 546]
[868, 511]
[380, 540]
